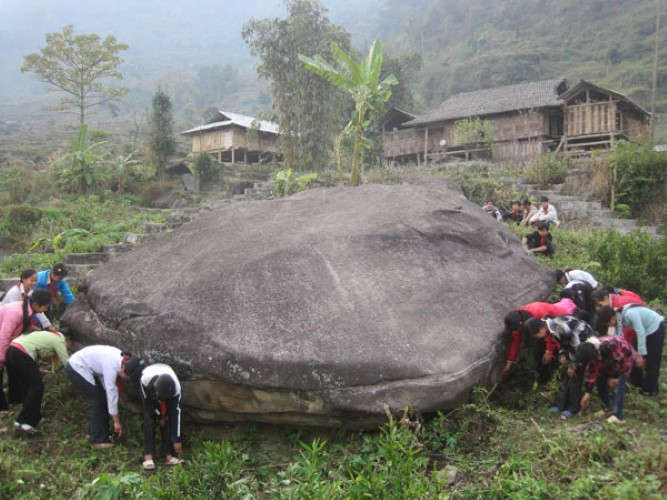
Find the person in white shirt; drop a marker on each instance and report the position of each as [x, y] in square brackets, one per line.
[160, 392]
[564, 277]
[94, 371]
[546, 213]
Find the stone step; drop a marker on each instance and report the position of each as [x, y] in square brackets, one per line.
[138, 238]
[180, 218]
[157, 227]
[87, 258]
[7, 283]
[116, 248]
[81, 270]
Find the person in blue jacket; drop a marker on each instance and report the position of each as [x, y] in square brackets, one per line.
[54, 280]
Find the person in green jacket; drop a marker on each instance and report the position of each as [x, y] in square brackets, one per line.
[21, 359]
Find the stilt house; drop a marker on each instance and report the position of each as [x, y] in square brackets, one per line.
[523, 121]
[235, 138]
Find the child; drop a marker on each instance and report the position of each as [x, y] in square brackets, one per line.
[564, 333]
[23, 289]
[546, 213]
[582, 283]
[528, 211]
[567, 301]
[514, 323]
[94, 371]
[54, 280]
[615, 298]
[15, 319]
[539, 241]
[650, 329]
[570, 275]
[609, 361]
[492, 210]
[22, 355]
[161, 399]
[514, 215]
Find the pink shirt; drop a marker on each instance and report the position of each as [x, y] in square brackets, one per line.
[567, 304]
[11, 324]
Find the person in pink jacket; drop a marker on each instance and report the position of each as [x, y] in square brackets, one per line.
[15, 319]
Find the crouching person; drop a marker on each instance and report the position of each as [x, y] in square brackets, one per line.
[21, 358]
[609, 361]
[161, 398]
[564, 333]
[94, 371]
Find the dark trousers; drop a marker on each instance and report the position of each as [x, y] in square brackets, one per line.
[151, 418]
[96, 397]
[654, 345]
[569, 390]
[25, 371]
[544, 372]
[14, 393]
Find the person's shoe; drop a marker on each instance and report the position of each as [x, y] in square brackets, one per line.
[614, 420]
[148, 465]
[28, 429]
[566, 415]
[554, 409]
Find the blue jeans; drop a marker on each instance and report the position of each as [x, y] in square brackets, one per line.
[615, 400]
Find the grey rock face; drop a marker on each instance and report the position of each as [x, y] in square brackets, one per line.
[321, 308]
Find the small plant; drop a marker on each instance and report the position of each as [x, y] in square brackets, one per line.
[551, 168]
[285, 183]
[207, 168]
[83, 168]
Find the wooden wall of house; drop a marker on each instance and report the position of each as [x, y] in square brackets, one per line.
[398, 143]
[237, 138]
[519, 150]
[635, 126]
[592, 118]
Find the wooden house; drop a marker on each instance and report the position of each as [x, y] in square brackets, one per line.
[523, 121]
[235, 138]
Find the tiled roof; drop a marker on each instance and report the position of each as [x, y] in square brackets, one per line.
[498, 100]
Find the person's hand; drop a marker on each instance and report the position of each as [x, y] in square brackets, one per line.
[613, 382]
[570, 372]
[585, 401]
[178, 448]
[546, 358]
[117, 426]
[563, 359]
[507, 368]
[640, 362]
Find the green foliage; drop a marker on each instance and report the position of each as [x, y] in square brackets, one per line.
[637, 175]
[59, 240]
[123, 169]
[474, 131]
[361, 80]
[308, 109]
[76, 66]
[479, 186]
[162, 141]
[83, 168]
[285, 183]
[550, 168]
[207, 168]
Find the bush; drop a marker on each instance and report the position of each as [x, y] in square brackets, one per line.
[551, 168]
[207, 168]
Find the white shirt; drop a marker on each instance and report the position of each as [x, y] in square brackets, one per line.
[15, 294]
[158, 369]
[578, 275]
[103, 362]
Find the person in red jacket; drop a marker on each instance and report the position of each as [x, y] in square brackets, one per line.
[514, 322]
[615, 298]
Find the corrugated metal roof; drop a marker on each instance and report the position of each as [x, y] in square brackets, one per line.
[225, 119]
[498, 100]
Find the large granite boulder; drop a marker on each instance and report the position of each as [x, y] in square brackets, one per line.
[320, 308]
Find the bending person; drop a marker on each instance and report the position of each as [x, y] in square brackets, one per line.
[23, 289]
[94, 371]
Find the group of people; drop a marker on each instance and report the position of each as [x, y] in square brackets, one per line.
[96, 372]
[626, 345]
[541, 218]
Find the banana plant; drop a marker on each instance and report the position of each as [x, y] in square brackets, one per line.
[362, 81]
[83, 167]
[60, 239]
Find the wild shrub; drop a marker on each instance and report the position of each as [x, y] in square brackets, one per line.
[551, 168]
[286, 183]
[207, 168]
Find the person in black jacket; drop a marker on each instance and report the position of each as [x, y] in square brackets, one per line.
[539, 241]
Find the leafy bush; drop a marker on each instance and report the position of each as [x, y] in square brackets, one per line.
[207, 168]
[474, 131]
[551, 168]
[285, 183]
[631, 174]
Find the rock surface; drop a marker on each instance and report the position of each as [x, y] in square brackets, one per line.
[320, 308]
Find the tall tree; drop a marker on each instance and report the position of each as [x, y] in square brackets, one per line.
[162, 141]
[362, 81]
[77, 67]
[308, 109]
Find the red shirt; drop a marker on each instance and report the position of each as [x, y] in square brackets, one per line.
[536, 310]
[623, 298]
